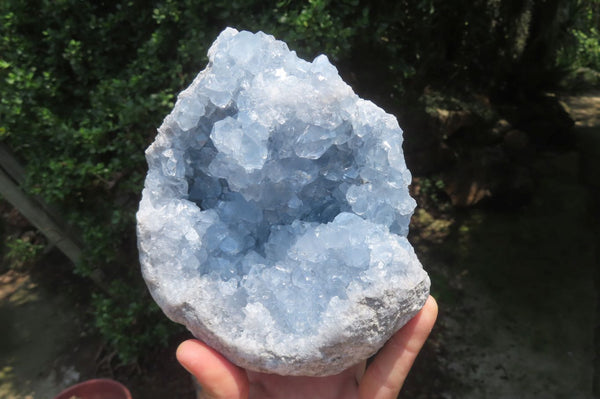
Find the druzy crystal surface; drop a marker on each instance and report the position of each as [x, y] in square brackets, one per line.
[275, 211]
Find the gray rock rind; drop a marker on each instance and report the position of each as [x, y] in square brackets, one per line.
[275, 211]
[391, 313]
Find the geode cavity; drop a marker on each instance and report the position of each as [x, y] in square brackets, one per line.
[275, 211]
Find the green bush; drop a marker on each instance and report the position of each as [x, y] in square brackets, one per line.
[587, 52]
[128, 323]
[21, 252]
[583, 48]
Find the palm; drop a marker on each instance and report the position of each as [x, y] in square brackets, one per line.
[344, 385]
[383, 378]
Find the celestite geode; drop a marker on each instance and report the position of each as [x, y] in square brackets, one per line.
[275, 211]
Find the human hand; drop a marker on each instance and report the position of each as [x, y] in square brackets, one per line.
[220, 379]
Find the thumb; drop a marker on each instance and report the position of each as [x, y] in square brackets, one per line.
[219, 378]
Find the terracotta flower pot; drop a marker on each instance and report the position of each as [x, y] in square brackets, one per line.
[96, 389]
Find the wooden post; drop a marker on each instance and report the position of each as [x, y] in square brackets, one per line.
[38, 217]
[10, 164]
[36, 211]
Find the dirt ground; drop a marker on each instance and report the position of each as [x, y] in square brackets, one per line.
[517, 296]
[38, 331]
[518, 291]
[46, 347]
[584, 108]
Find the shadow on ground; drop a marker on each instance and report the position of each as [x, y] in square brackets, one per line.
[518, 290]
[43, 346]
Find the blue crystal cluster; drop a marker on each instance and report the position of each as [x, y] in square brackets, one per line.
[275, 211]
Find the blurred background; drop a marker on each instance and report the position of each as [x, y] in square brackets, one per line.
[500, 105]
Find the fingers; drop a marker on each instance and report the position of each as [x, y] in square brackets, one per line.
[219, 378]
[385, 376]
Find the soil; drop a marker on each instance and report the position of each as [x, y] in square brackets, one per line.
[517, 292]
[45, 345]
[518, 288]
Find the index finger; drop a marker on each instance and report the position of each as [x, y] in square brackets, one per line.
[385, 376]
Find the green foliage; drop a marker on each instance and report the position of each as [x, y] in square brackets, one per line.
[82, 88]
[20, 251]
[431, 193]
[583, 49]
[588, 48]
[130, 325]
[320, 26]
